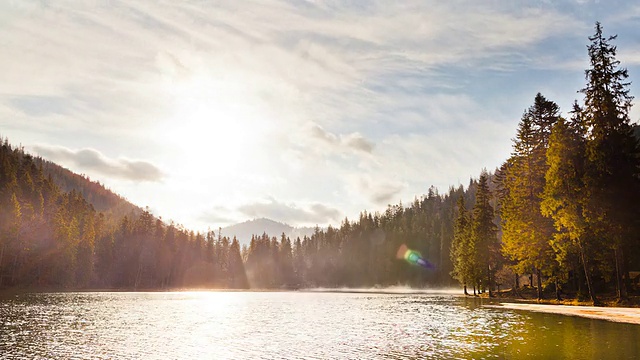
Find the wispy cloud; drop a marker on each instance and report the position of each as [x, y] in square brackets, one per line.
[367, 102]
[353, 141]
[379, 188]
[315, 213]
[94, 161]
[629, 57]
[309, 214]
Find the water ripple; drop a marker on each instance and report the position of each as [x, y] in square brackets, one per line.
[262, 325]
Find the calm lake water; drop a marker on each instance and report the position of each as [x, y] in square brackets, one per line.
[295, 325]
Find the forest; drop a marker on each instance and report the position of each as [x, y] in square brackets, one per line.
[563, 209]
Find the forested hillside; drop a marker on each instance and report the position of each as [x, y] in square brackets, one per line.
[102, 199]
[57, 238]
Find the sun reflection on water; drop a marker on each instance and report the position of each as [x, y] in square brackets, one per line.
[292, 325]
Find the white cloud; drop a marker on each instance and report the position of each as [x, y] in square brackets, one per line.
[93, 161]
[299, 213]
[629, 57]
[353, 141]
[378, 190]
[366, 102]
[315, 213]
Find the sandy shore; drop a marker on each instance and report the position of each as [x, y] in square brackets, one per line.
[617, 314]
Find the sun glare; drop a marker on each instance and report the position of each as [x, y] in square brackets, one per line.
[216, 122]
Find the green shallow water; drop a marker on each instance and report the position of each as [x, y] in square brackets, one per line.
[296, 325]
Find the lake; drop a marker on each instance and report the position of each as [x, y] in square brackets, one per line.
[295, 325]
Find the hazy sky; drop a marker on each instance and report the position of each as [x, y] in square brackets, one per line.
[214, 112]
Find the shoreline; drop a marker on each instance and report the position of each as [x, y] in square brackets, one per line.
[627, 315]
[610, 312]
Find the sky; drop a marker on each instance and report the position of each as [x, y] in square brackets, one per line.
[305, 112]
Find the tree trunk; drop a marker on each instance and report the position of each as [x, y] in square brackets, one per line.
[490, 280]
[1, 257]
[625, 272]
[474, 289]
[578, 279]
[557, 286]
[621, 291]
[539, 275]
[531, 280]
[587, 275]
[465, 289]
[14, 271]
[39, 276]
[516, 285]
[138, 273]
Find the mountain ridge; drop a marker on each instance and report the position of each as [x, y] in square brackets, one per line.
[243, 231]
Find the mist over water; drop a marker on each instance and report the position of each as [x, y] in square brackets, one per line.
[389, 290]
[320, 324]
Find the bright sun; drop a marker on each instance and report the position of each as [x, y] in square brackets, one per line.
[216, 122]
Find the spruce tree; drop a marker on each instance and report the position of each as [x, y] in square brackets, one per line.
[612, 176]
[461, 246]
[237, 275]
[286, 261]
[483, 235]
[526, 232]
[564, 196]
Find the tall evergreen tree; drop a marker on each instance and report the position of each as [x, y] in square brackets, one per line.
[237, 275]
[612, 176]
[85, 250]
[564, 196]
[286, 261]
[526, 232]
[299, 262]
[461, 252]
[483, 236]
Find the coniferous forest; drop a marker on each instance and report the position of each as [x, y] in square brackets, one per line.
[563, 209]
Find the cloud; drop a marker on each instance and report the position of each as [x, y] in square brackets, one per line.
[358, 142]
[314, 213]
[40, 105]
[629, 56]
[91, 160]
[408, 93]
[353, 141]
[379, 191]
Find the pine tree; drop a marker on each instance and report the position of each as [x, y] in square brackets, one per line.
[461, 246]
[237, 274]
[286, 261]
[11, 239]
[526, 232]
[85, 251]
[483, 236]
[564, 196]
[612, 176]
[299, 262]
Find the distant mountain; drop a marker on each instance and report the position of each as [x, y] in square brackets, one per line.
[243, 231]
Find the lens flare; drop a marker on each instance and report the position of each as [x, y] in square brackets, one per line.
[413, 257]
